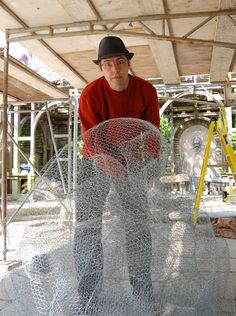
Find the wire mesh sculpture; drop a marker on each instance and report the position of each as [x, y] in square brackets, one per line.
[129, 246]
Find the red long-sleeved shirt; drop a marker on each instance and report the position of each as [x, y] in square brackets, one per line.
[99, 102]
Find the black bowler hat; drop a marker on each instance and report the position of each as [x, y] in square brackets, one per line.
[112, 46]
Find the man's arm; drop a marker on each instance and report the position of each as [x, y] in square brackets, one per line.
[151, 113]
[89, 116]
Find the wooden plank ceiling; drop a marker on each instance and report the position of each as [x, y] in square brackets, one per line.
[169, 38]
[25, 85]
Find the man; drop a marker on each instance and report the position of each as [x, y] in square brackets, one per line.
[116, 94]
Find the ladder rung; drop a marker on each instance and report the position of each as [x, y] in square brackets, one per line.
[217, 165]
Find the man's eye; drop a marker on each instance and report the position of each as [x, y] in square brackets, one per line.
[120, 62]
[107, 65]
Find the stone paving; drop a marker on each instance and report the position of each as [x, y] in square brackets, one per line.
[214, 206]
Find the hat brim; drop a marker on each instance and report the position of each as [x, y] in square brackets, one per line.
[129, 55]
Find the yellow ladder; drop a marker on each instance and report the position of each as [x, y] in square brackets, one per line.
[218, 124]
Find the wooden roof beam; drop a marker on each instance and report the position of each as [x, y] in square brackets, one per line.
[222, 57]
[72, 7]
[29, 77]
[37, 49]
[198, 26]
[162, 51]
[10, 98]
[95, 11]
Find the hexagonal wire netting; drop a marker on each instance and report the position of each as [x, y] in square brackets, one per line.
[121, 243]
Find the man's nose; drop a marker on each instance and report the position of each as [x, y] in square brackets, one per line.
[115, 67]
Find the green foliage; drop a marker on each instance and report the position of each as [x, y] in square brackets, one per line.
[233, 141]
[165, 127]
[234, 120]
[79, 148]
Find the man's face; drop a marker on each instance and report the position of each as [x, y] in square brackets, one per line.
[115, 70]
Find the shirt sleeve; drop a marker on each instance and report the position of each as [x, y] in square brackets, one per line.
[151, 113]
[89, 116]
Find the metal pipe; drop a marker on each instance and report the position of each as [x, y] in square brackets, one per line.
[31, 175]
[165, 16]
[55, 148]
[74, 104]
[23, 103]
[75, 141]
[198, 26]
[23, 154]
[69, 188]
[170, 100]
[16, 128]
[4, 149]
[185, 100]
[27, 111]
[29, 193]
[157, 37]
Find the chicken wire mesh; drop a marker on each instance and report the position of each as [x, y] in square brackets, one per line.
[120, 243]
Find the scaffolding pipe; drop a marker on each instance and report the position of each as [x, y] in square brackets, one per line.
[169, 101]
[24, 102]
[69, 188]
[75, 141]
[16, 127]
[55, 149]
[29, 193]
[4, 150]
[219, 102]
[31, 175]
